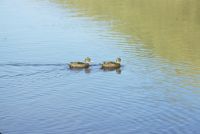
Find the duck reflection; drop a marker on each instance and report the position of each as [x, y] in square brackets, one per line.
[86, 70]
[118, 70]
[89, 70]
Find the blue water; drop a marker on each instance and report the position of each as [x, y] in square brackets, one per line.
[40, 95]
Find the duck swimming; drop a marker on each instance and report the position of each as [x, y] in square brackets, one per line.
[79, 64]
[111, 64]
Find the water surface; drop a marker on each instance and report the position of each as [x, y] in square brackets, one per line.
[157, 90]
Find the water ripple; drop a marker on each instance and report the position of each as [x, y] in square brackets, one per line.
[32, 65]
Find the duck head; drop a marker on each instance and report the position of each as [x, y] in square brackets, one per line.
[118, 60]
[87, 60]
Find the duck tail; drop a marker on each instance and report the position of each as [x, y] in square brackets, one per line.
[69, 65]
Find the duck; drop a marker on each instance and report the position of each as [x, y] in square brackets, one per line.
[111, 64]
[79, 65]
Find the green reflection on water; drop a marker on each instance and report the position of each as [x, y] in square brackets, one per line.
[170, 28]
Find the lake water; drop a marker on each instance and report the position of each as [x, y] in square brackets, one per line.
[157, 90]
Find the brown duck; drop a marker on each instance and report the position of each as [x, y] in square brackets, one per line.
[111, 64]
[78, 64]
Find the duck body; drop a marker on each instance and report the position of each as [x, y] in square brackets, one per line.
[78, 65]
[110, 65]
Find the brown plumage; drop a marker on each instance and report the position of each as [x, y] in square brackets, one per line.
[111, 64]
[78, 64]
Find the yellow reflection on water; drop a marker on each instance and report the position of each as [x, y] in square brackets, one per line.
[170, 28]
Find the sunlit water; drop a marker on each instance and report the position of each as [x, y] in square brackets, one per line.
[156, 91]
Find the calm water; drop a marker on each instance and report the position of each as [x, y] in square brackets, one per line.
[157, 91]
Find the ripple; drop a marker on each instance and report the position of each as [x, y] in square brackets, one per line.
[31, 64]
[31, 74]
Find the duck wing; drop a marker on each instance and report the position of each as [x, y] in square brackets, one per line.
[109, 62]
[77, 62]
